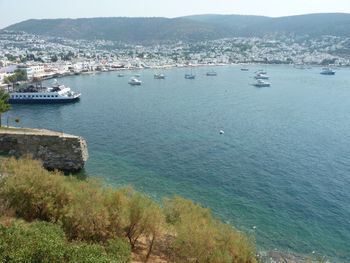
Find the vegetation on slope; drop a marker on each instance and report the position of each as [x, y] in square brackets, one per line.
[47, 217]
[190, 28]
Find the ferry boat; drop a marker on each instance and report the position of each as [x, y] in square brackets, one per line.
[261, 83]
[43, 95]
[212, 73]
[135, 82]
[327, 71]
[159, 76]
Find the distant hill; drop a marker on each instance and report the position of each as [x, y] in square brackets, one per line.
[121, 28]
[198, 27]
[336, 24]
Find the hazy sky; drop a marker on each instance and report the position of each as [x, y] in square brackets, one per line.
[12, 11]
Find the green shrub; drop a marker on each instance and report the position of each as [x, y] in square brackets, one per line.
[87, 211]
[38, 242]
[202, 238]
[118, 250]
[42, 242]
[34, 193]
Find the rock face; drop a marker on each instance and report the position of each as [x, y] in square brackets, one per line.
[56, 150]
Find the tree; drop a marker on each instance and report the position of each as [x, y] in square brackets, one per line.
[4, 105]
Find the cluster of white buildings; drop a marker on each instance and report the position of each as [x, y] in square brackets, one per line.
[44, 57]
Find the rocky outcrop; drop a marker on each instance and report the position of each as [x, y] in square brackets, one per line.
[56, 150]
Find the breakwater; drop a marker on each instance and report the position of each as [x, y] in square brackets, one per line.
[56, 150]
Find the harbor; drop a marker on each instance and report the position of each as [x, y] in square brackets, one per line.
[221, 142]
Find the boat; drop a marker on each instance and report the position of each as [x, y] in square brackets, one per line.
[261, 71]
[159, 76]
[327, 71]
[120, 75]
[135, 82]
[190, 76]
[261, 76]
[244, 69]
[212, 73]
[261, 83]
[137, 75]
[37, 94]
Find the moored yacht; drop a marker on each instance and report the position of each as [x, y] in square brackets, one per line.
[190, 76]
[212, 73]
[159, 76]
[327, 71]
[135, 82]
[37, 94]
[261, 83]
[261, 76]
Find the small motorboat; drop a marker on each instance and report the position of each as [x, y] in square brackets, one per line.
[212, 73]
[327, 71]
[190, 76]
[159, 76]
[135, 82]
[261, 83]
[261, 76]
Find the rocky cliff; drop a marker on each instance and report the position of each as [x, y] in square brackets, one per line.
[56, 150]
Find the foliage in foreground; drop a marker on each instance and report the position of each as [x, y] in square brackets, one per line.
[86, 219]
[46, 242]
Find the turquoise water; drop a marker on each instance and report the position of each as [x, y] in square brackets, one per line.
[282, 164]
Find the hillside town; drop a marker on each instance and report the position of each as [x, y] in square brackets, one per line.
[47, 57]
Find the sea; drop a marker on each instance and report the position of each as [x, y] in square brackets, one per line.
[274, 161]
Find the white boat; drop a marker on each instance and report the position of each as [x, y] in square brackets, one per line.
[159, 76]
[261, 71]
[261, 76]
[190, 76]
[327, 71]
[135, 82]
[212, 73]
[261, 83]
[37, 94]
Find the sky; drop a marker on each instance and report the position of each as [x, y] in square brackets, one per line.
[13, 11]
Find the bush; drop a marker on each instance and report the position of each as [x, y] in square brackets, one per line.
[202, 238]
[38, 242]
[32, 192]
[87, 211]
[42, 242]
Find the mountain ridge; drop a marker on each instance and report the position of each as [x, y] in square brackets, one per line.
[187, 28]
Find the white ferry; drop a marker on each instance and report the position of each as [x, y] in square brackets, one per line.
[43, 95]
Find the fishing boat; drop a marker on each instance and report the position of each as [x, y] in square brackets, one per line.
[37, 94]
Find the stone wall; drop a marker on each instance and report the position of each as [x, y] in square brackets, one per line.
[56, 150]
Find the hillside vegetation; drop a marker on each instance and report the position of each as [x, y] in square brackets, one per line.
[48, 217]
[190, 28]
